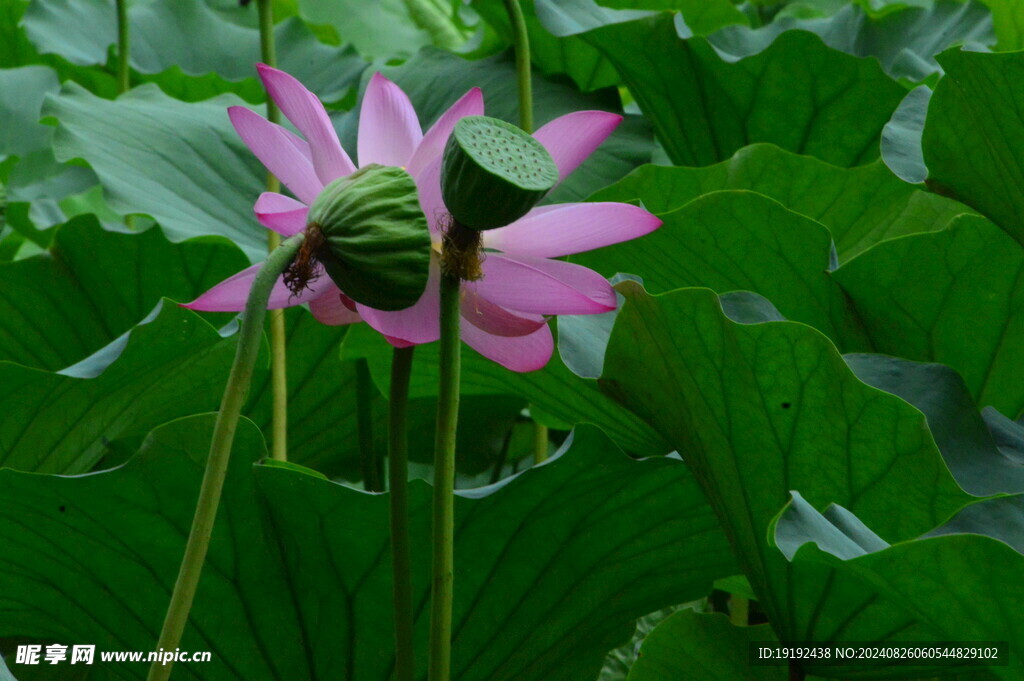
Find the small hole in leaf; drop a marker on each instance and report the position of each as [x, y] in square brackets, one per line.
[62, 509]
[786, 405]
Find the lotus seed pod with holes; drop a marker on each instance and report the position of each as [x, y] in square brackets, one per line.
[493, 173]
[376, 244]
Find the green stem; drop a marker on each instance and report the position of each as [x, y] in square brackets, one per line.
[499, 465]
[398, 486]
[739, 610]
[268, 51]
[540, 443]
[364, 422]
[123, 52]
[123, 74]
[444, 483]
[278, 334]
[521, 40]
[220, 452]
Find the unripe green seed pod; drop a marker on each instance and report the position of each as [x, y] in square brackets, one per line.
[493, 173]
[375, 241]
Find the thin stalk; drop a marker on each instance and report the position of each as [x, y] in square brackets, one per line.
[540, 443]
[220, 452]
[499, 465]
[521, 40]
[278, 335]
[123, 48]
[268, 50]
[398, 486]
[364, 421]
[439, 666]
[739, 610]
[123, 74]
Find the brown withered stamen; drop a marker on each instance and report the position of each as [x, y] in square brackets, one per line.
[302, 271]
[461, 251]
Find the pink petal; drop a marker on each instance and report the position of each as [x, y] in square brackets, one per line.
[551, 287]
[571, 138]
[334, 308]
[307, 114]
[389, 130]
[563, 229]
[281, 213]
[428, 186]
[495, 319]
[230, 295]
[416, 324]
[433, 143]
[520, 353]
[273, 148]
[299, 143]
[398, 342]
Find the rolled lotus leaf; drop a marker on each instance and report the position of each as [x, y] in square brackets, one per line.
[376, 243]
[493, 173]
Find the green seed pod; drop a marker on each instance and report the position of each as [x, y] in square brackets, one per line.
[375, 244]
[493, 173]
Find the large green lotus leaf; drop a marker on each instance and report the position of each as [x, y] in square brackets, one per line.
[35, 173]
[188, 35]
[860, 206]
[904, 41]
[741, 241]
[555, 390]
[551, 567]
[174, 365]
[570, 17]
[798, 94]
[17, 50]
[435, 79]
[951, 587]
[386, 29]
[954, 297]
[689, 646]
[974, 134]
[757, 410]
[1008, 18]
[22, 91]
[183, 164]
[701, 16]
[551, 52]
[970, 449]
[901, 138]
[93, 285]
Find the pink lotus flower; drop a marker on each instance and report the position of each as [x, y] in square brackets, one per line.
[505, 313]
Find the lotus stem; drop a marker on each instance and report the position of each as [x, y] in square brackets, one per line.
[540, 443]
[521, 40]
[439, 666]
[739, 610]
[123, 48]
[278, 335]
[249, 338]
